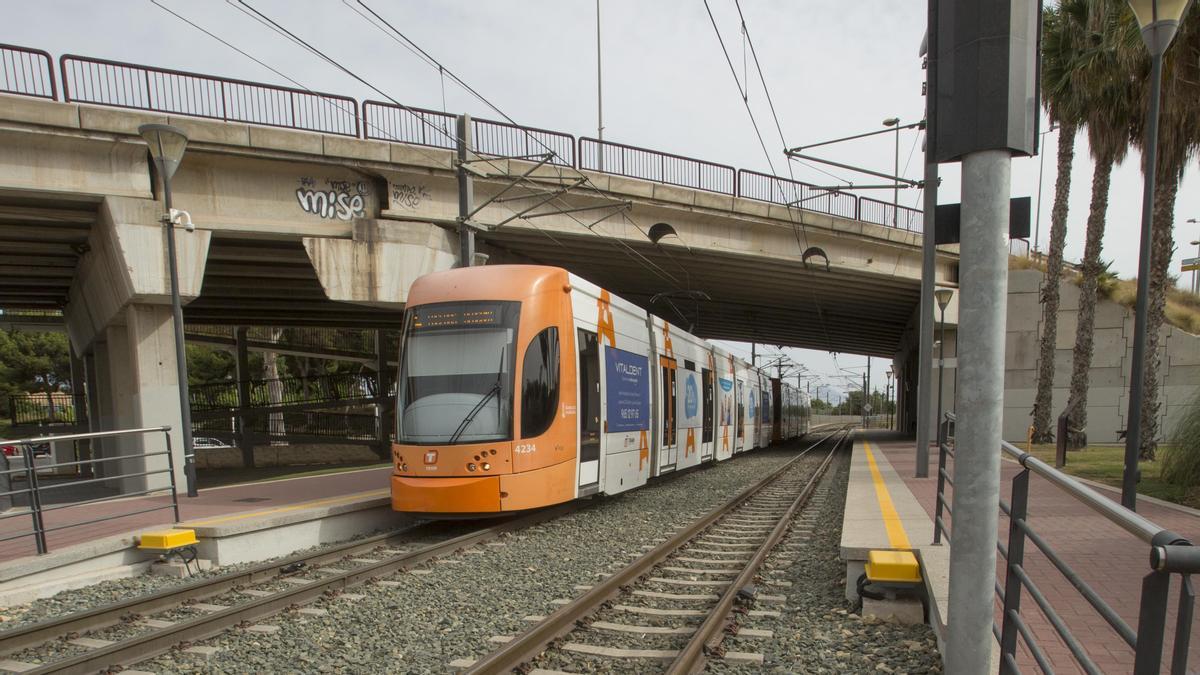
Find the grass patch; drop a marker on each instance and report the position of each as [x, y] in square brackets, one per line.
[207, 478]
[1106, 464]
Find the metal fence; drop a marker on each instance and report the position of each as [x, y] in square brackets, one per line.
[28, 72]
[652, 165]
[886, 213]
[501, 139]
[35, 493]
[283, 392]
[1168, 554]
[42, 408]
[767, 188]
[414, 126]
[129, 85]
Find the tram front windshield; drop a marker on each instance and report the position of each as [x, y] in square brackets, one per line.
[456, 373]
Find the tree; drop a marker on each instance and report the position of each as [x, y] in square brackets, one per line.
[32, 362]
[1061, 41]
[1108, 99]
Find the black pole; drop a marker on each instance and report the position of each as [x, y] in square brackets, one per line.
[185, 409]
[941, 362]
[1133, 436]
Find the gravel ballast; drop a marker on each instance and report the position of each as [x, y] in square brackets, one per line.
[447, 612]
[818, 631]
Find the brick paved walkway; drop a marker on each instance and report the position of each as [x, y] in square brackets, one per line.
[212, 502]
[1110, 560]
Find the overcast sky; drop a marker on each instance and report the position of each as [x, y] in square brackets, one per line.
[833, 68]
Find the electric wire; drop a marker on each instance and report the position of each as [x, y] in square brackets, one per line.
[798, 229]
[281, 30]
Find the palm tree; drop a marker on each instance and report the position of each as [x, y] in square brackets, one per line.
[1178, 142]
[1062, 39]
[1109, 97]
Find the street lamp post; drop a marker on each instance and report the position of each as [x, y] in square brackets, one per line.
[1195, 243]
[1159, 20]
[167, 145]
[887, 398]
[895, 122]
[942, 295]
[1037, 228]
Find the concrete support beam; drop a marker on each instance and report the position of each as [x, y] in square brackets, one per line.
[379, 264]
[136, 364]
[51, 162]
[126, 264]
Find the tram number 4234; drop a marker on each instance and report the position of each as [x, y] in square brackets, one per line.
[525, 448]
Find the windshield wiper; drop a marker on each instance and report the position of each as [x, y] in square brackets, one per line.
[494, 391]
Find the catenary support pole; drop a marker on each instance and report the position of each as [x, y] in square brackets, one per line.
[466, 194]
[982, 304]
[245, 437]
[928, 253]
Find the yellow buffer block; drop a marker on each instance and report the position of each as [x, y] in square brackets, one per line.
[166, 540]
[893, 566]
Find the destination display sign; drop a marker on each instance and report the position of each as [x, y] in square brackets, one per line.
[459, 315]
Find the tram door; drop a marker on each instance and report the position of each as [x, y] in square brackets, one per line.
[589, 408]
[741, 416]
[666, 455]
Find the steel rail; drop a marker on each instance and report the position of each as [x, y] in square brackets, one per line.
[529, 644]
[692, 657]
[108, 615]
[155, 642]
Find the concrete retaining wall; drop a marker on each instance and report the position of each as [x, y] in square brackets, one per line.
[1108, 397]
[286, 455]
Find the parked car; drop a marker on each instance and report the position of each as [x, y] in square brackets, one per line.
[206, 443]
[39, 449]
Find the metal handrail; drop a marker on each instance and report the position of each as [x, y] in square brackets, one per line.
[1130, 521]
[141, 87]
[16, 76]
[1169, 554]
[486, 142]
[34, 490]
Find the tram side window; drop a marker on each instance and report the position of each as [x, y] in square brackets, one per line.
[539, 383]
[707, 377]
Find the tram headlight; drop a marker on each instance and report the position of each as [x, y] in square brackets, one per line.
[487, 466]
[471, 466]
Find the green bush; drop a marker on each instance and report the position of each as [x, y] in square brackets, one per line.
[1180, 463]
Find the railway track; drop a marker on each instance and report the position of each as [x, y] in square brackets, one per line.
[672, 607]
[141, 628]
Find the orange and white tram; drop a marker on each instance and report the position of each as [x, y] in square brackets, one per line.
[525, 386]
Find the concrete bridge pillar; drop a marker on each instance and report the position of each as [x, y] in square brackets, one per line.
[118, 316]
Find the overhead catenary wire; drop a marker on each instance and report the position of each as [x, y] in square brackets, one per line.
[280, 29]
[798, 229]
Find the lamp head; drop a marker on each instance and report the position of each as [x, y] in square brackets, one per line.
[943, 296]
[167, 144]
[1159, 19]
[891, 121]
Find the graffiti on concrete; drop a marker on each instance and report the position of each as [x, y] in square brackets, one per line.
[408, 196]
[340, 199]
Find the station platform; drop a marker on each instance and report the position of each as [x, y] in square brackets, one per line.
[1106, 557]
[298, 512]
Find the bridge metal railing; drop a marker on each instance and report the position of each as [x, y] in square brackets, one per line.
[41, 497]
[501, 139]
[141, 87]
[767, 188]
[886, 213]
[662, 167]
[413, 126]
[27, 71]
[130, 85]
[1169, 554]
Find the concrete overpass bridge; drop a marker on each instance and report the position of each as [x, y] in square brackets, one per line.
[315, 210]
